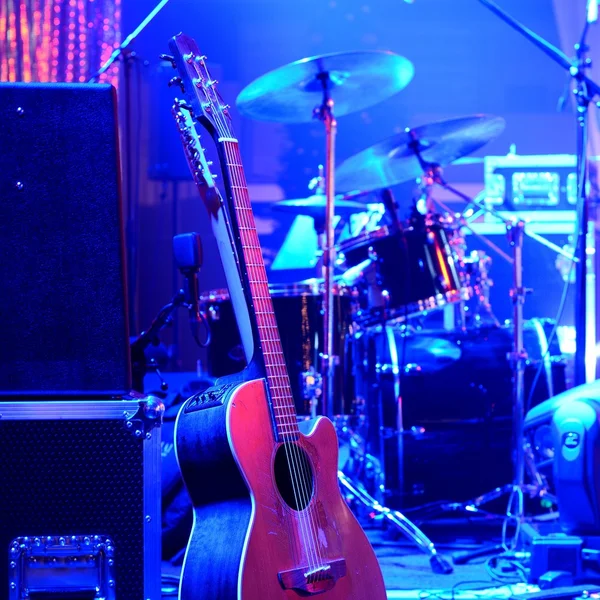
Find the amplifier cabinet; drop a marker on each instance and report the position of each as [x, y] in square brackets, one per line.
[80, 499]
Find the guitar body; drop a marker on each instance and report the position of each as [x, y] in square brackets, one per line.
[245, 537]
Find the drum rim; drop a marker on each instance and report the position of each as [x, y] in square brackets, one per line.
[294, 289]
[399, 314]
[365, 237]
[305, 288]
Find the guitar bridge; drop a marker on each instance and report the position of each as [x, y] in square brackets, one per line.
[313, 581]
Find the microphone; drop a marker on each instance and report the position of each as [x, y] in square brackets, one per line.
[187, 250]
[592, 11]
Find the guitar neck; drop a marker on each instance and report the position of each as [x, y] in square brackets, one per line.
[258, 296]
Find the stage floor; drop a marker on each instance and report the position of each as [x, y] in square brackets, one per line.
[408, 574]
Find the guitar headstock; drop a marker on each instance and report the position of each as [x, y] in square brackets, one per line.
[200, 88]
[194, 152]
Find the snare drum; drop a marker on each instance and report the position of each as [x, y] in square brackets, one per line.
[298, 310]
[403, 273]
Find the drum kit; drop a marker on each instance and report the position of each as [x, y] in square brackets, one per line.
[398, 310]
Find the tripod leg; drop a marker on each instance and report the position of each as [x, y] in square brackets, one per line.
[438, 563]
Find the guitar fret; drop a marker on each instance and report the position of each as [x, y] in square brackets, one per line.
[282, 403]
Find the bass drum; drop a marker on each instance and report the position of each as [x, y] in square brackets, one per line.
[439, 406]
[298, 310]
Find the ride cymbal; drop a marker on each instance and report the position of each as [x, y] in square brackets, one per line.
[354, 80]
[396, 159]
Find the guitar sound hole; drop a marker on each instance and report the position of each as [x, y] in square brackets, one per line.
[294, 476]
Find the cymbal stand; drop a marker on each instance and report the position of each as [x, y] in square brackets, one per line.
[324, 113]
[438, 563]
[515, 513]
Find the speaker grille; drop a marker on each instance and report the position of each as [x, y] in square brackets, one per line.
[63, 312]
[75, 477]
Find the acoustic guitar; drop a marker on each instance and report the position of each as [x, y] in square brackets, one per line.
[269, 519]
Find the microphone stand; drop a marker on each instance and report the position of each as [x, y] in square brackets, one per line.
[585, 92]
[128, 56]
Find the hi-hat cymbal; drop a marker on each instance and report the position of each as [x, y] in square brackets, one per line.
[395, 160]
[314, 206]
[355, 81]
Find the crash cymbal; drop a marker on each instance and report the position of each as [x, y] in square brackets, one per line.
[395, 160]
[314, 206]
[355, 81]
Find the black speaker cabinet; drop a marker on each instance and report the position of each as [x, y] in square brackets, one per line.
[63, 311]
[80, 499]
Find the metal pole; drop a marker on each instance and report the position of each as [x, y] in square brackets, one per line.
[515, 511]
[581, 244]
[329, 358]
[518, 356]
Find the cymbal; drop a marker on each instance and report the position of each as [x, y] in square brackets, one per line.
[355, 81]
[394, 160]
[314, 206]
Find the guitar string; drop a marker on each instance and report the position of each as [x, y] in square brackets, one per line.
[277, 371]
[291, 417]
[285, 420]
[224, 126]
[297, 465]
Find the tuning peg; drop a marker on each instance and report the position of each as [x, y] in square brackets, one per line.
[178, 82]
[168, 58]
[183, 104]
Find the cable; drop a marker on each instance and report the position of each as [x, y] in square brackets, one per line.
[208, 336]
[474, 581]
[485, 588]
[559, 315]
[492, 568]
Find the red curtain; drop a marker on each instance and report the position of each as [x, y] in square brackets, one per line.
[57, 40]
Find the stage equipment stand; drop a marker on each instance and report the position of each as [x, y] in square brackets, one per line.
[324, 113]
[515, 512]
[128, 56]
[438, 563]
[585, 91]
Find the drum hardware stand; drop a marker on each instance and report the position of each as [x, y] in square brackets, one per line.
[515, 513]
[324, 113]
[438, 563]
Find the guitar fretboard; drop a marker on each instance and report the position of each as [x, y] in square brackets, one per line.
[282, 403]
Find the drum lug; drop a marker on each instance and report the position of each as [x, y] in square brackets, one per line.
[214, 313]
[312, 384]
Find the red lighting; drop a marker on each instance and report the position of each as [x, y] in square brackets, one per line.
[58, 40]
